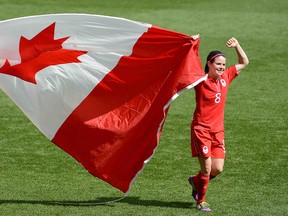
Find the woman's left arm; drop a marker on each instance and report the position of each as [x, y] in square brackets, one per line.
[243, 60]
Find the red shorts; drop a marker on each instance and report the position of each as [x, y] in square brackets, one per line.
[207, 144]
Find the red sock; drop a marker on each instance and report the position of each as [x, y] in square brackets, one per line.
[201, 182]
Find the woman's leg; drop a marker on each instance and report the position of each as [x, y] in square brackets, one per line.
[203, 177]
[217, 165]
[205, 165]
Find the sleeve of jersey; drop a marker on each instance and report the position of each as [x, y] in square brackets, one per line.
[232, 73]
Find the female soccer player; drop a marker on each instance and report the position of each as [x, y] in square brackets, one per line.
[207, 127]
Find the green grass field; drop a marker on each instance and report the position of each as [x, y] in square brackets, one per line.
[37, 178]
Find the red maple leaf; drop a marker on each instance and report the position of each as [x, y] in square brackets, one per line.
[38, 53]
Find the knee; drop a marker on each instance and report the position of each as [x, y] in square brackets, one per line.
[205, 165]
[217, 167]
[215, 171]
[206, 170]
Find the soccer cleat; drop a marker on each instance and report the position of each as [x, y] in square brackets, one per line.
[203, 206]
[194, 191]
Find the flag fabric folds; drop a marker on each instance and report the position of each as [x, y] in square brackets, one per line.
[98, 87]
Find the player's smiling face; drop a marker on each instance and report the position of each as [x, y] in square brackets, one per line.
[217, 67]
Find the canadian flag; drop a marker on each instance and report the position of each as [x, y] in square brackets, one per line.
[98, 87]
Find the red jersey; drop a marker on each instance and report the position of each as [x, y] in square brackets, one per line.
[210, 101]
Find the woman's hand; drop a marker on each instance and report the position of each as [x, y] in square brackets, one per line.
[195, 37]
[232, 42]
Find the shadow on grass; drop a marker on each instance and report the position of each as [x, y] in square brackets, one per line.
[107, 201]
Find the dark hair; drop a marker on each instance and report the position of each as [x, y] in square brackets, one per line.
[211, 57]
